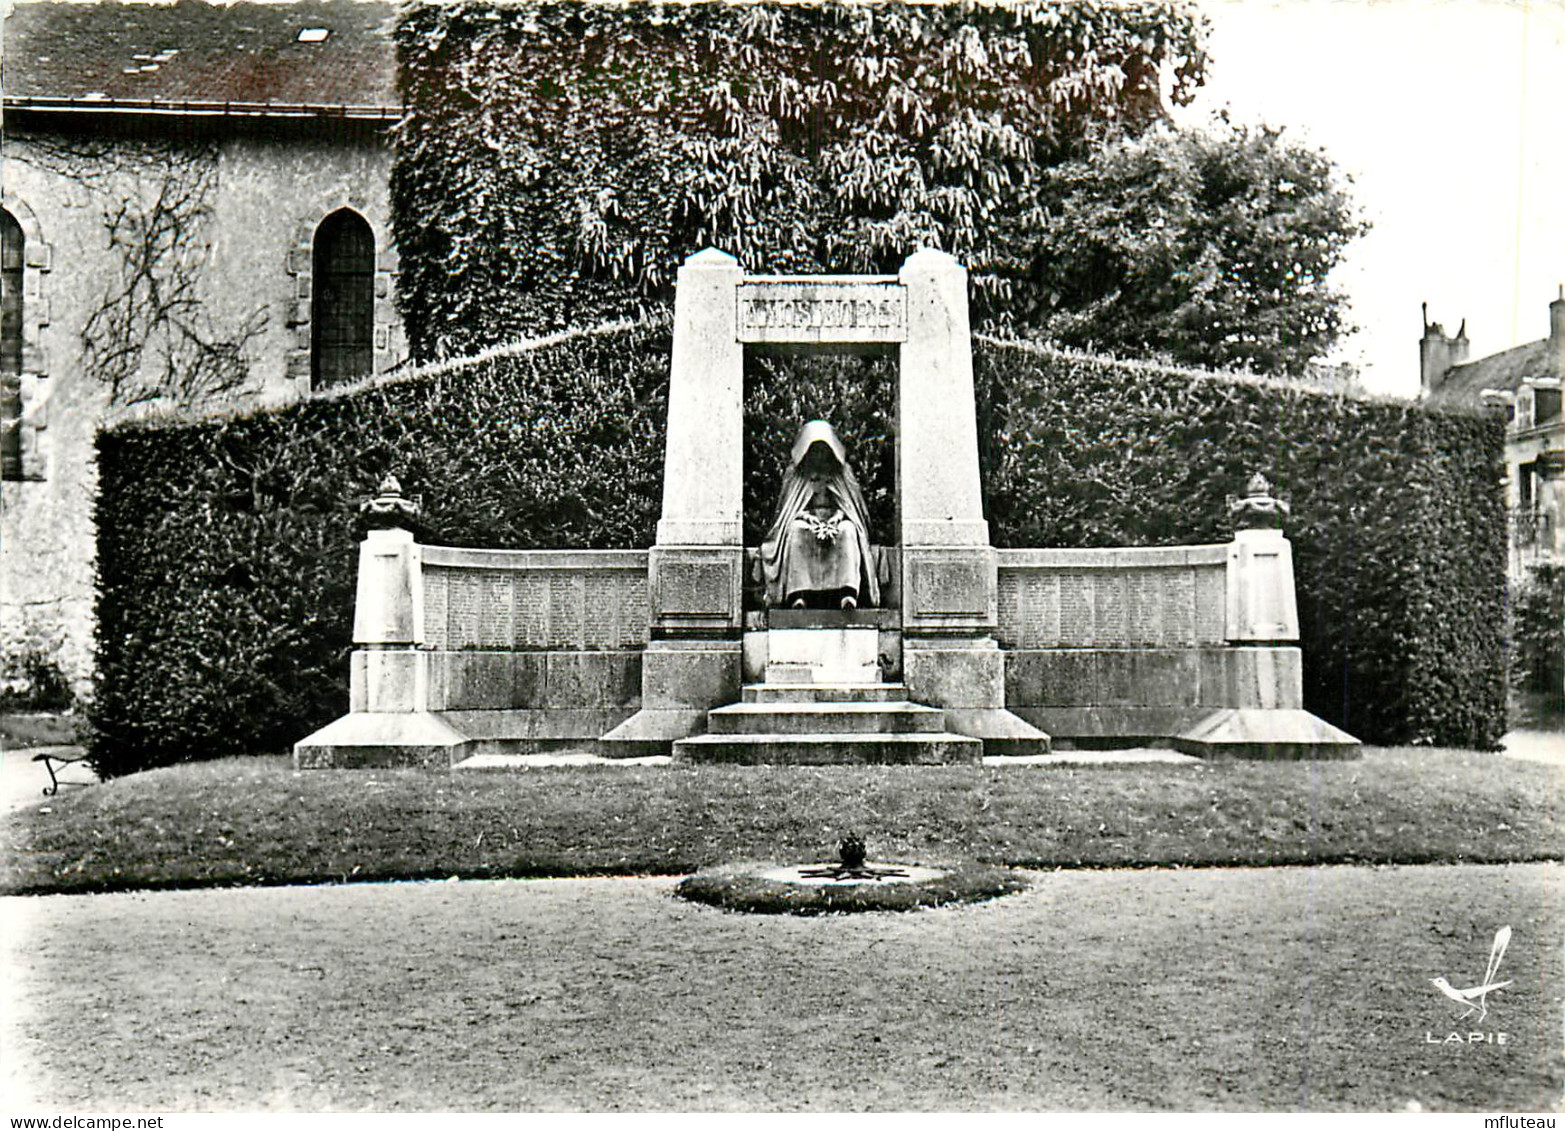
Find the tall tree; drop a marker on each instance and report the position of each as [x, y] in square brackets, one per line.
[1210, 247]
[559, 160]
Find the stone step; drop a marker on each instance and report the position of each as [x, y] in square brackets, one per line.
[825, 718]
[825, 692]
[828, 749]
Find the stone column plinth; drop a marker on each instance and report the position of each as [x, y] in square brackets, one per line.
[389, 722]
[387, 608]
[1260, 679]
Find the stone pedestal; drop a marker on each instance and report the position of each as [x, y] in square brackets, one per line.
[1261, 603]
[680, 681]
[388, 602]
[836, 655]
[696, 591]
[389, 722]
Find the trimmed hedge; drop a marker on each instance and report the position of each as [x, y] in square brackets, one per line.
[227, 549]
[1398, 525]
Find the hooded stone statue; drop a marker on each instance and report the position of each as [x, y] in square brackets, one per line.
[817, 550]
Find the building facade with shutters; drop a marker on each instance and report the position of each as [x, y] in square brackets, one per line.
[1524, 384]
[193, 212]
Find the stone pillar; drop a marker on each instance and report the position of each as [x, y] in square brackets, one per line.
[695, 568]
[387, 672]
[387, 606]
[938, 490]
[950, 580]
[1259, 680]
[703, 489]
[696, 563]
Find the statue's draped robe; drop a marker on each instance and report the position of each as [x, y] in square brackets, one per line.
[793, 561]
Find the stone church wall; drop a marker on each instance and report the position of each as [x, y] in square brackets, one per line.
[264, 193]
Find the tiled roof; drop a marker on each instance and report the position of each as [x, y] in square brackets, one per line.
[1465, 383]
[112, 54]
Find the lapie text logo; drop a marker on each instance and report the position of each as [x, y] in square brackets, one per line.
[1475, 999]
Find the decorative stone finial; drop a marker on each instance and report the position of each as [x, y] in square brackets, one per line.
[390, 510]
[1258, 508]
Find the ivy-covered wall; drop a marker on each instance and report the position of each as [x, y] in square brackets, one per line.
[559, 160]
[227, 549]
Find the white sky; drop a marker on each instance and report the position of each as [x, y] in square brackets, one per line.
[1449, 115]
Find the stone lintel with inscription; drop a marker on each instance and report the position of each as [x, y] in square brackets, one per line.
[807, 308]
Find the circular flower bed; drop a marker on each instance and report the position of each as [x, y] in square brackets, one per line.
[813, 890]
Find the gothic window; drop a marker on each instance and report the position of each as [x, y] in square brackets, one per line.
[11, 262]
[342, 318]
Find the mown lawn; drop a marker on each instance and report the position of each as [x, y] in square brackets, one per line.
[256, 821]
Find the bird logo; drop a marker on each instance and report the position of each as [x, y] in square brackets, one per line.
[1476, 999]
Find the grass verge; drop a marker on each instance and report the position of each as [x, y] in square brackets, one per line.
[256, 821]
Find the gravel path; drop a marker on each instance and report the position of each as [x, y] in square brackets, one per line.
[1216, 989]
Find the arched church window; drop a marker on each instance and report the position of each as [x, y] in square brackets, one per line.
[342, 318]
[11, 265]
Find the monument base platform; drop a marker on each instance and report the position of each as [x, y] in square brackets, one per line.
[440, 739]
[1277, 735]
[1002, 732]
[366, 739]
[829, 749]
[813, 724]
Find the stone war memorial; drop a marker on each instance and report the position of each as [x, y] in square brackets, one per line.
[940, 648]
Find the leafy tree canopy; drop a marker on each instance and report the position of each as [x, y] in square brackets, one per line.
[559, 160]
[1210, 247]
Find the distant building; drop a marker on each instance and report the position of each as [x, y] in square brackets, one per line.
[194, 208]
[1525, 382]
